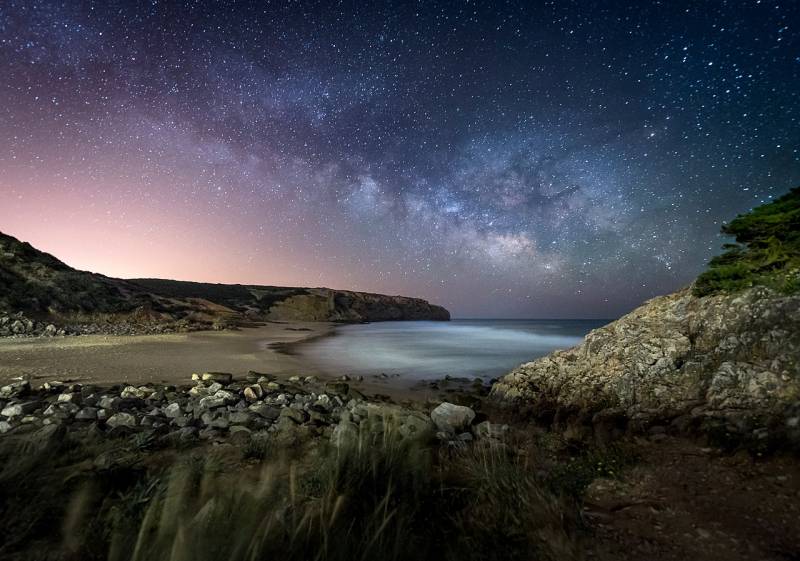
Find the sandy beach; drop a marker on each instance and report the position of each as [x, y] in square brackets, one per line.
[171, 358]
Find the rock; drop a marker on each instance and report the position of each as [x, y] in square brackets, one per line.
[86, 414]
[19, 409]
[121, 420]
[451, 418]
[15, 389]
[337, 387]
[212, 402]
[199, 391]
[220, 422]
[173, 410]
[240, 418]
[50, 331]
[265, 411]
[109, 402]
[5, 426]
[286, 428]
[229, 397]
[413, 426]
[317, 418]
[297, 415]
[131, 392]
[294, 379]
[53, 385]
[69, 398]
[253, 393]
[219, 377]
[181, 421]
[324, 402]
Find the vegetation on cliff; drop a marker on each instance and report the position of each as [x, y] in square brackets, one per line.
[766, 250]
[38, 284]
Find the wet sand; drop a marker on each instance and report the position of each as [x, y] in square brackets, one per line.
[172, 358]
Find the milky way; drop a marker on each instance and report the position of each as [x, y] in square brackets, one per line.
[554, 159]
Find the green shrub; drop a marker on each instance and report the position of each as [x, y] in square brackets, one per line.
[766, 252]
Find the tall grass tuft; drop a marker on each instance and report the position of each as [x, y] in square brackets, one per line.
[374, 495]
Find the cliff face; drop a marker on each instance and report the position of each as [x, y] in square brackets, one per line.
[42, 287]
[728, 363]
[323, 304]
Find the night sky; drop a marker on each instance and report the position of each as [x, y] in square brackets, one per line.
[504, 159]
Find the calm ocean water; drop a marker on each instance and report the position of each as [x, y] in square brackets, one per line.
[428, 349]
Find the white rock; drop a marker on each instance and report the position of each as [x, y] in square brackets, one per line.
[172, 410]
[121, 420]
[452, 418]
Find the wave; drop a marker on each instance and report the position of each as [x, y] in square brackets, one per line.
[424, 350]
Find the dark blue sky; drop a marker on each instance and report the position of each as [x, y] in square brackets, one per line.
[516, 159]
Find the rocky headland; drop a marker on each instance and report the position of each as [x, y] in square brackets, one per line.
[726, 365]
[40, 295]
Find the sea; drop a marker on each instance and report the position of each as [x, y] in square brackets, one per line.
[425, 350]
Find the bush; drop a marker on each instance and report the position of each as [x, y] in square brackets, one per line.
[766, 252]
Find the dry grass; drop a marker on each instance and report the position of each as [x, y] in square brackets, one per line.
[377, 496]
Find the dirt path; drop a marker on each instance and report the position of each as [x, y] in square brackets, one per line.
[684, 502]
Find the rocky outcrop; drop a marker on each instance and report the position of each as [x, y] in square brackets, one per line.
[323, 304]
[728, 364]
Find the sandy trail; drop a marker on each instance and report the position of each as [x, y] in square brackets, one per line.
[171, 358]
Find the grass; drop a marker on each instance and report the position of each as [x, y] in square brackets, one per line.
[766, 251]
[376, 496]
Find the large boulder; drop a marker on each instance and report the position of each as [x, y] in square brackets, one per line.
[730, 360]
[451, 418]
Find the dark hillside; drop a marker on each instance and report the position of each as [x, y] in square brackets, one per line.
[37, 284]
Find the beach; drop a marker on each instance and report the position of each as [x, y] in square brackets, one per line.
[168, 359]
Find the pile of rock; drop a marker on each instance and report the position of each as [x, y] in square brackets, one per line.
[455, 425]
[218, 407]
[17, 325]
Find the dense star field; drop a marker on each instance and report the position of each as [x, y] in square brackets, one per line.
[523, 159]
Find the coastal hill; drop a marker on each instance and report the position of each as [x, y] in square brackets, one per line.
[722, 356]
[47, 291]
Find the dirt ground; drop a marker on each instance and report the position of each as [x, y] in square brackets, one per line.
[686, 502]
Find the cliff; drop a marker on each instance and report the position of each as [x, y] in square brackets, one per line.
[727, 364]
[46, 291]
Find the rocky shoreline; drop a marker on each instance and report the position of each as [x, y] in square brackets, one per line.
[218, 407]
